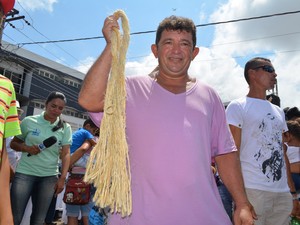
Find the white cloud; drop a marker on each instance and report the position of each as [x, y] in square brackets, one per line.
[145, 66]
[269, 34]
[225, 75]
[85, 64]
[276, 38]
[33, 5]
[142, 67]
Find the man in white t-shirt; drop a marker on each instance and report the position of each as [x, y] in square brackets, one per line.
[257, 126]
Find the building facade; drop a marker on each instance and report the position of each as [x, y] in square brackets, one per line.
[34, 77]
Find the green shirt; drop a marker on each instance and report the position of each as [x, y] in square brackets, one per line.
[35, 129]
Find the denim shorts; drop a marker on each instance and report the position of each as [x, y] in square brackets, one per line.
[73, 210]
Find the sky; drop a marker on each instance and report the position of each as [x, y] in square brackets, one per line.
[224, 48]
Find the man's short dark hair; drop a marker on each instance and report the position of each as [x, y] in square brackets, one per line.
[252, 64]
[292, 113]
[294, 127]
[274, 99]
[176, 23]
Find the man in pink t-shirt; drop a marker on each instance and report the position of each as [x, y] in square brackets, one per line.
[175, 125]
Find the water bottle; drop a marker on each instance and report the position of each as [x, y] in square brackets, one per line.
[294, 221]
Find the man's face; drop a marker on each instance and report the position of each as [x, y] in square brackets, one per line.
[93, 130]
[265, 76]
[175, 52]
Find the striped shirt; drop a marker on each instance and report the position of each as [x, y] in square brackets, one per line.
[9, 121]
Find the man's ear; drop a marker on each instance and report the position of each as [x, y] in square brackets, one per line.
[195, 52]
[251, 75]
[154, 50]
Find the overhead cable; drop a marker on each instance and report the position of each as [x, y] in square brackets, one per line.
[153, 31]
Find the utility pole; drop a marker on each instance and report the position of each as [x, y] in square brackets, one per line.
[7, 10]
[2, 18]
[12, 14]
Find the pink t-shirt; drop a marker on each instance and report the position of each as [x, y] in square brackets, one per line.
[172, 139]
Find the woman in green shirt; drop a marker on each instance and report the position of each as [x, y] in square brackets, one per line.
[37, 172]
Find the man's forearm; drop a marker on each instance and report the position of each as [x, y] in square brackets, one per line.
[229, 168]
[91, 95]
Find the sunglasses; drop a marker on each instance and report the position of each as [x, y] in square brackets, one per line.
[267, 68]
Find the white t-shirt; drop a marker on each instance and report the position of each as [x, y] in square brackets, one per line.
[13, 156]
[261, 151]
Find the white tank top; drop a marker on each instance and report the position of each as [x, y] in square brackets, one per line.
[293, 154]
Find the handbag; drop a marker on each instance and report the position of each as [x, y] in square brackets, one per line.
[77, 191]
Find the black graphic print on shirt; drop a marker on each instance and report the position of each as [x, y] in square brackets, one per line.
[269, 154]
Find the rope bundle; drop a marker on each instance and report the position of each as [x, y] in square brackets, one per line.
[108, 166]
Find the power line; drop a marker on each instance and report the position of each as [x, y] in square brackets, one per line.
[14, 12]
[254, 39]
[50, 40]
[25, 10]
[36, 43]
[249, 18]
[153, 31]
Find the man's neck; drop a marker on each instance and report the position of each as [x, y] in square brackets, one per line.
[257, 93]
[175, 85]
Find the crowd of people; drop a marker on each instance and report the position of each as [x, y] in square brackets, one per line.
[191, 160]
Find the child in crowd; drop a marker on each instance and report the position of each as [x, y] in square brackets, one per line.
[83, 141]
